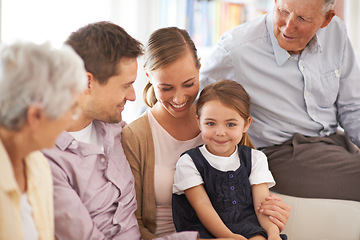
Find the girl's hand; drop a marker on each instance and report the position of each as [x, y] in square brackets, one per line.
[276, 209]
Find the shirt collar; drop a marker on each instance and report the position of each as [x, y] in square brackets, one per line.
[282, 55]
[108, 131]
[64, 140]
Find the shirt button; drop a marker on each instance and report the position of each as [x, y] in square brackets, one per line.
[231, 176]
[232, 188]
[102, 160]
[301, 68]
[337, 74]
[115, 221]
[234, 202]
[73, 142]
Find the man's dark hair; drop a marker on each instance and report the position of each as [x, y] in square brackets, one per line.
[102, 45]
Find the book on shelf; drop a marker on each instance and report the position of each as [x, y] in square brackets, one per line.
[207, 20]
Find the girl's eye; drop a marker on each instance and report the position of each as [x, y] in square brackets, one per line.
[210, 124]
[231, 124]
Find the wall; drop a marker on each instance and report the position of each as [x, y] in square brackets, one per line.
[54, 20]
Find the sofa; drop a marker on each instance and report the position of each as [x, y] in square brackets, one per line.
[322, 219]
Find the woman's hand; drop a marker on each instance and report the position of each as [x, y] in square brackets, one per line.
[276, 209]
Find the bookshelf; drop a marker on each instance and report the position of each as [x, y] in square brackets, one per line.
[207, 20]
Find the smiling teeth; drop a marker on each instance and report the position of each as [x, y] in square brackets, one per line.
[178, 106]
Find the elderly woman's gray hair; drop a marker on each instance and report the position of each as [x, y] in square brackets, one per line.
[38, 75]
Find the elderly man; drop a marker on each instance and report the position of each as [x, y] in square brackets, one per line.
[300, 71]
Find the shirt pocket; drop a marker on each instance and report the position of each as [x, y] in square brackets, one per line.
[330, 82]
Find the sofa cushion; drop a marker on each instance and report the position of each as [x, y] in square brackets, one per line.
[320, 219]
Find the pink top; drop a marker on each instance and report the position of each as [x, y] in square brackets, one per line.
[167, 153]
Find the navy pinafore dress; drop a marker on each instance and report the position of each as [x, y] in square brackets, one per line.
[229, 193]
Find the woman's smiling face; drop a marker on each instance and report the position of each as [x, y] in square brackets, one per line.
[176, 85]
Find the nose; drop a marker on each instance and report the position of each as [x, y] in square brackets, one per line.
[131, 96]
[290, 24]
[220, 130]
[179, 97]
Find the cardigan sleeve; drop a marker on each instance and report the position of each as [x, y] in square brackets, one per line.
[135, 138]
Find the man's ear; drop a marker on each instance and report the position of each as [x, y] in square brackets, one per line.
[328, 17]
[91, 80]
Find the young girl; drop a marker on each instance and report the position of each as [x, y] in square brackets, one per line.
[225, 178]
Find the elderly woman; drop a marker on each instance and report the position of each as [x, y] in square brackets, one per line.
[39, 92]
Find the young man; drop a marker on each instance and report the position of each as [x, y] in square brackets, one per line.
[299, 68]
[94, 196]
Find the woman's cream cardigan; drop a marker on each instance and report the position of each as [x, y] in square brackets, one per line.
[139, 149]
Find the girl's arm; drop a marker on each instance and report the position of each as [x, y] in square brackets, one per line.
[200, 201]
[260, 192]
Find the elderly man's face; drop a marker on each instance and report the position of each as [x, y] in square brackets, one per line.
[297, 21]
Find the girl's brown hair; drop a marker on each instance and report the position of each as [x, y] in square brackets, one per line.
[232, 95]
[165, 46]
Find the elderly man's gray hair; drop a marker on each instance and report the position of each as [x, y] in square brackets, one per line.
[328, 5]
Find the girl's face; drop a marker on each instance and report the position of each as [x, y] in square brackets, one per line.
[176, 86]
[221, 128]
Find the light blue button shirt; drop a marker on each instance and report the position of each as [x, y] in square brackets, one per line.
[308, 94]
